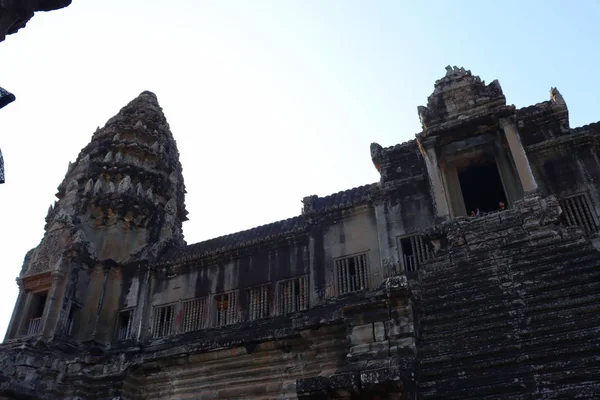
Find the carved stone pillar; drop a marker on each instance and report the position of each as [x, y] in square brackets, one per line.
[388, 250]
[435, 178]
[14, 328]
[53, 304]
[509, 126]
[143, 302]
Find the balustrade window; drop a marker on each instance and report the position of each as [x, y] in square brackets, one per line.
[578, 212]
[226, 308]
[351, 273]
[258, 302]
[124, 325]
[38, 303]
[293, 295]
[414, 252]
[164, 321]
[193, 315]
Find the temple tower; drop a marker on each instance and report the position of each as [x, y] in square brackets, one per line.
[120, 205]
[471, 146]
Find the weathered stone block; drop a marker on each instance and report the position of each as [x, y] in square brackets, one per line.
[379, 331]
[361, 334]
[344, 384]
[370, 379]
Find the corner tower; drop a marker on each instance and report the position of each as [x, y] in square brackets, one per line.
[471, 147]
[120, 205]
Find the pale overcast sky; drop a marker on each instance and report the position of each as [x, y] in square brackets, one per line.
[269, 101]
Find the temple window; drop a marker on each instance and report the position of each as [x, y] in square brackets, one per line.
[226, 308]
[38, 303]
[258, 302]
[577, 212]
[292, 295]
[413, 252]
[124, 325]
[481, 187]
[193, 314]
[163, 322]
[351, 273]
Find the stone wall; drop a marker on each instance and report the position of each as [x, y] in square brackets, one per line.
[509, 309]
[348, 345]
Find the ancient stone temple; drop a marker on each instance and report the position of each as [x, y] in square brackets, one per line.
[471, 270]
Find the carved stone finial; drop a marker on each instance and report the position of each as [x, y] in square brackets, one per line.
[111, 188]
[423, 115]
[171, 207]
[73, 185]
[376, 155]
[308, 204]
[125, 184]
[79, 237]
[139, 190]
[560, 106]
[88, 186]
[150, 195]
[173, 178]
[97, 187]
[85, 161]
[555, 96]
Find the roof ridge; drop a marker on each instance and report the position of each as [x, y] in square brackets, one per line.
[595, 125]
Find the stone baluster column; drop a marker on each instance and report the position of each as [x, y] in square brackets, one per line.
[509, 126]
[435, 179]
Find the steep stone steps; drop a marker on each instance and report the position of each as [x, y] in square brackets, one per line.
[531, 263]
[496, 315]
[511, 318]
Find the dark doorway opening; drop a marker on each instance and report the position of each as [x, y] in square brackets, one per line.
[481, 187]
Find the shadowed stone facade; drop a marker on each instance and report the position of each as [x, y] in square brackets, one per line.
[470, 270]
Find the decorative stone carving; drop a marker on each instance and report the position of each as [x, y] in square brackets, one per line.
[91, 208]
[376, 155]
[139, 190]
[459, 95]
[97, 187]
[72, 186]
[88, 186]
[125, 185]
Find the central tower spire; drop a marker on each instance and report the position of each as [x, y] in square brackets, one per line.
[123, 199]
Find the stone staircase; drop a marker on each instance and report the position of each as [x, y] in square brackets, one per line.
[511, 310]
